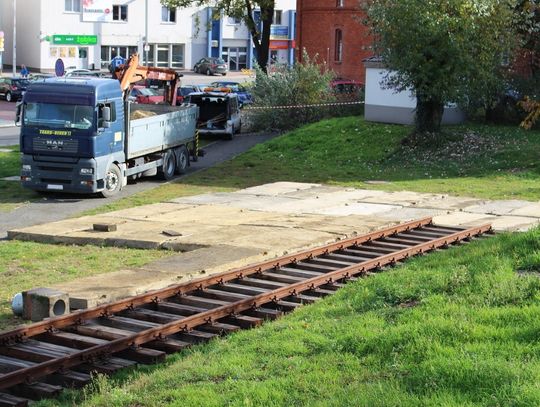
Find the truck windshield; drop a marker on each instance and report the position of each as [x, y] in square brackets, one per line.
[59, 116]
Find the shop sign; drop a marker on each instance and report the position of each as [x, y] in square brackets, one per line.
[279, 44]
[62, 39]
[97, 10]
[279, 32]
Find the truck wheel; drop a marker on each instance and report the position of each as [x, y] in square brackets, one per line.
[239, 129]
[169, 166]
[9, 98]
[208, 72]
[182, 160]
[113, 181]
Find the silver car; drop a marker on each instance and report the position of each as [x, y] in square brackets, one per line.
[211, 66]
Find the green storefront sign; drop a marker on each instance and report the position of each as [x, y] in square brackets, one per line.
[74, 39]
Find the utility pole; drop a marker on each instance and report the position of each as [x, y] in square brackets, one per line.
[146, 46]
[14, 37]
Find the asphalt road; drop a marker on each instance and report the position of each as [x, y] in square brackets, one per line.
[9, 136]
[60, 206]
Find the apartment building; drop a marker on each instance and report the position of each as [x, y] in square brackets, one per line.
[89, 33]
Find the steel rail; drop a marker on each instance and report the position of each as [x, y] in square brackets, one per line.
[18, 334]
[185, 324]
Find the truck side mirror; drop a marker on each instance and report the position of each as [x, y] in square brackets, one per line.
[18, 114]
[106, 116]
[106, 113]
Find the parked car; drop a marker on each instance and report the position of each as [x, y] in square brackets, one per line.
[347, 90]
[82, 72]
[244, 97]
[218, 113]
[183, 92]
[211, 66]
[40, 76]
[12, 89]
[147, 96]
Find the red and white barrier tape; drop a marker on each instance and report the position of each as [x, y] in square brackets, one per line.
[302, 106]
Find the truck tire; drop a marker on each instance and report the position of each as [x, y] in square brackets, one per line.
[208, 72]
[9, 98]
[168, 168]
[113, 181]
[182, 160]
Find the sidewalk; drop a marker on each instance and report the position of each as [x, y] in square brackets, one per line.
[6, 123]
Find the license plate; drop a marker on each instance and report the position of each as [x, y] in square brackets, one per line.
[55, 187]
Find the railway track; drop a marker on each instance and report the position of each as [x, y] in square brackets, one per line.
[39, 360]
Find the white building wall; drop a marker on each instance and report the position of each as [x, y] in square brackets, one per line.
[28, 31]
[386, 105]
[376, 94]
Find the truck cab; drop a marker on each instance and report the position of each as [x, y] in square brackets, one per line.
[66, 140]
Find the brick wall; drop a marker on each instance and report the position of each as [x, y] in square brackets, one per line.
[317, 22]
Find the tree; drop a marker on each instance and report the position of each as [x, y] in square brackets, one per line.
[242, 9]
[445, 50]
[525, 77]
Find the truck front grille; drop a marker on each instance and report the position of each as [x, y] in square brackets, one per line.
[56, 145]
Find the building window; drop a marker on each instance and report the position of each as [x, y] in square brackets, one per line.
[233, 20]
[109, 52]
[338, 54]
[177, 56]
[339, 3]
[168, 15]
[120, 12]
[162, 55]
[72, 6]
[277, 17]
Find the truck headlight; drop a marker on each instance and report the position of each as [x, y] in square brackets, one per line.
[87, 171]
[27, 167]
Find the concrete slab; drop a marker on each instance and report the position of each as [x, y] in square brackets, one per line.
[530, 210]
[95, 290]
[219, 231]
[358, 209]
[277, 188]
[463, 219]
[405, 214]
[497, 207]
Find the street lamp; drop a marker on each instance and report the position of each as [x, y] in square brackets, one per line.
[14, 37]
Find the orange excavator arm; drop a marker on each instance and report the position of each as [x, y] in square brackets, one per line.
[131, 73]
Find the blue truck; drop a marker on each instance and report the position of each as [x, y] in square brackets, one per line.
[80, 135]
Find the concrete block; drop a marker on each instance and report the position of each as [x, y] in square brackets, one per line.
[40, 303]
[105, 227]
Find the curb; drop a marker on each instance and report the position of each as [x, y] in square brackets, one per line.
[6, 123]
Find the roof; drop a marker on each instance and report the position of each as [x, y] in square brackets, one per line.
[60, 90]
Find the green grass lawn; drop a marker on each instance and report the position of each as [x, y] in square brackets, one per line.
[476, 160]
[11, 192]
[454, 328]
[26, 265]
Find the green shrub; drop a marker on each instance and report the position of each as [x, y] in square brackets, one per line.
[306, 83]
